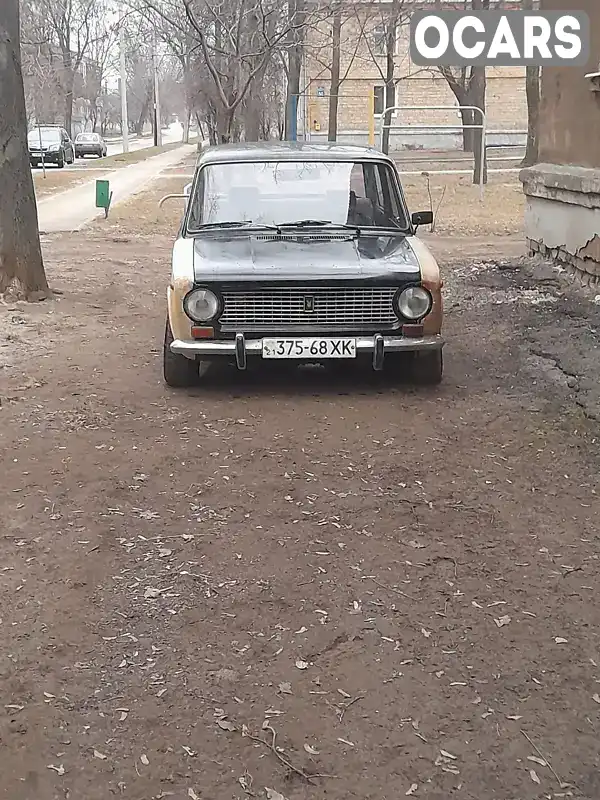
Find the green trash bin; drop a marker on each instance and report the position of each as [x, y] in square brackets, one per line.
[103, 196]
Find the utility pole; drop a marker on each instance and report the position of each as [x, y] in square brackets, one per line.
[124, 117]
[157, 133]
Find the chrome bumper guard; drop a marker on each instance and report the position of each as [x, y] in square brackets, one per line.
[240, 348]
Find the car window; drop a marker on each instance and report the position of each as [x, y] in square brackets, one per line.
[46, 135]
[271, 193]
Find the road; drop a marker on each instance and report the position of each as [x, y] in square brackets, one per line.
[266, 579]
[169, 135]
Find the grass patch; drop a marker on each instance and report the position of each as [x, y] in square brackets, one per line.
[141, 216]
[56, 180]
[457, 205]
[134, 156]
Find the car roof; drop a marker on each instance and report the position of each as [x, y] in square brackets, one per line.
[288, 151]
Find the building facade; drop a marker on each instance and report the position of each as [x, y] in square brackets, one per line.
[363, 65]
[562, 216]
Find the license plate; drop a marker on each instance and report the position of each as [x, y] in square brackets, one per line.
[309, 348]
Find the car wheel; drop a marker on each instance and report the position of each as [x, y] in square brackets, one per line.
[60, 163]
[179, 372]
[428, 368]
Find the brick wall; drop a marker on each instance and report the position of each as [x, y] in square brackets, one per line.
[362, 69]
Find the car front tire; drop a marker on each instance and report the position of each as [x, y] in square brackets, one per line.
[179, 372]
[60, 161]
[428, 368]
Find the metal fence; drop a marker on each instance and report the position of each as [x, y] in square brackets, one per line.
[419, 128]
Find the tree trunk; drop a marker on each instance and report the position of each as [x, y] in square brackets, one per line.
[532, 90]
[186, 125]
[389, 93]
[296, 18]
[21, 265]
[477, 97]
[69, 79]
[334, 88]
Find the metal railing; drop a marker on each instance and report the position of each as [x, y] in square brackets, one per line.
[414, 129]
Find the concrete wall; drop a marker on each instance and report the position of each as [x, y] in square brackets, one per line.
[562, 214]
[570, 112]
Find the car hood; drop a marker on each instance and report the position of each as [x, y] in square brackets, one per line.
[299, 257]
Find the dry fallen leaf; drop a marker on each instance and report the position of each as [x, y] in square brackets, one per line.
[99, 755]
[273, 795]
[446, 754]
[285, 688]
[596, 698]
[226, 725]
[192, 795]
[301, 664]
[533, 776]
[425, 633]
[311, 750]
[537, 760]
[501, 621]
[60, 770]
[144, 759]
[514, 716]
[560, 640]
[413, 789]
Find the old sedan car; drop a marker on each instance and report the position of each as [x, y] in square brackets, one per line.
[301, 253]
[90, 144]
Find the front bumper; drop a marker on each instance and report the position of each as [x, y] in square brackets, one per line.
[49, 158]
[241, 347]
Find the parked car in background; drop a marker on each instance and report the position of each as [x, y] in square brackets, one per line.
[90, 144]
[52, 143]
[301, 253]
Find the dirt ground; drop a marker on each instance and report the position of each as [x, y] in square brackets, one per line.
[299, 587]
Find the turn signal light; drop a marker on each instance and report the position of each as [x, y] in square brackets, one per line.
[412, 330]
[200, 332]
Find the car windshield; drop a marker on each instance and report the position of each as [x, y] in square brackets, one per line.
[297, 193]
[87, 137]
[46, 135]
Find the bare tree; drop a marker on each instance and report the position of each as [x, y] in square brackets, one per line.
[391, 17]
[21, 264]
[468, 85]
[334, 86]
[64, 33]
[235, 43]
[532, 91]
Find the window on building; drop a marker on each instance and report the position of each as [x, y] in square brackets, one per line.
[380, 39]
[384, 99]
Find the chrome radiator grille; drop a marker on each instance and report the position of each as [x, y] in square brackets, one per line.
[322, 308]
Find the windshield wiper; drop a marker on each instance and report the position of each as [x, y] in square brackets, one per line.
[236, 224]
[304, 223]
[233, 224]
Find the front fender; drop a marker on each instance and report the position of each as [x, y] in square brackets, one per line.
[182, 280]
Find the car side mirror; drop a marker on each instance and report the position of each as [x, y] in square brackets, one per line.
[421, 218]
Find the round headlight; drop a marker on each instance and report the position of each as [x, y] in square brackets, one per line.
[201, 305]
[414, 302]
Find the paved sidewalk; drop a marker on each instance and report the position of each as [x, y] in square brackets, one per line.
[72, 209]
